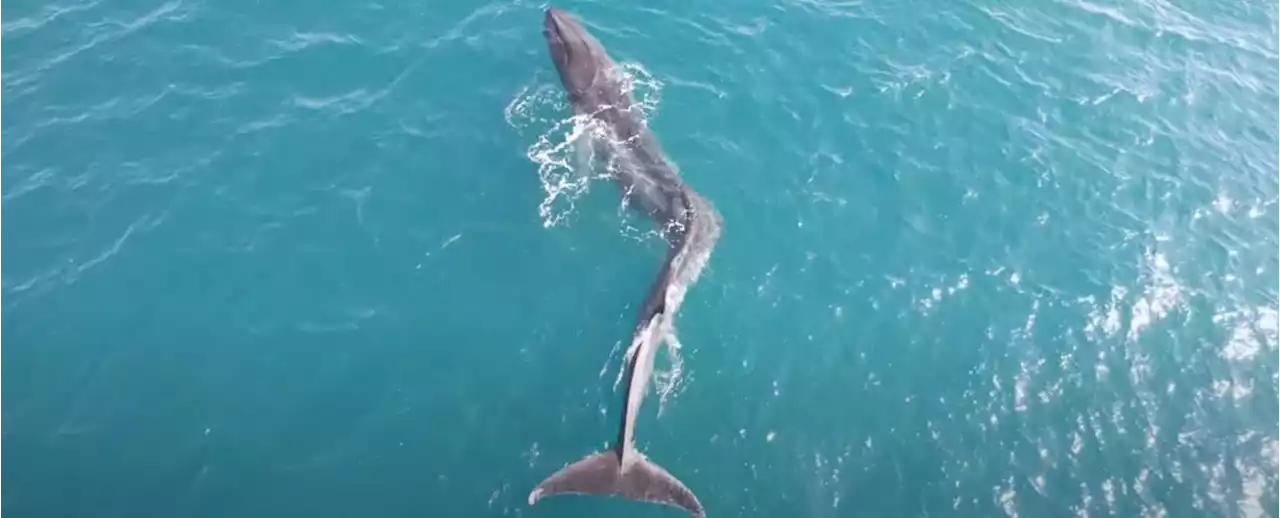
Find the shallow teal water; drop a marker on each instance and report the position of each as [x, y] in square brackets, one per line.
[980, 259]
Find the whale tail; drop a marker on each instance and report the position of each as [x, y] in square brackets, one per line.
[604, 474]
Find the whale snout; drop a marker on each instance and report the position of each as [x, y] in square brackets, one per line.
[577, 56]
[560, 26]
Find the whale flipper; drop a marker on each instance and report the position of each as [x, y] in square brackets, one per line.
[602, 474]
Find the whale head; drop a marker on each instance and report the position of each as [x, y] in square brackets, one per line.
[583, 65]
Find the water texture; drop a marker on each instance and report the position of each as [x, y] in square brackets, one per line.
[980, 258]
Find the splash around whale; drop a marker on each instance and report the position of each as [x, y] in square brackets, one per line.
[691, 227]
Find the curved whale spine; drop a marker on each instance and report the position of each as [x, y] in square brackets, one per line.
[691, 226]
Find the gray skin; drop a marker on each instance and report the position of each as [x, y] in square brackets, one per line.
[691, 227]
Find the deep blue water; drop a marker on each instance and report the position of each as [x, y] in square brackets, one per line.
[980, 258]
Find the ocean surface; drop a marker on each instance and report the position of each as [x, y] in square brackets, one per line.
[980, 258]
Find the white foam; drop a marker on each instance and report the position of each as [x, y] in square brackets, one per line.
[1161, 295]
[563, 147]
[1251, 331]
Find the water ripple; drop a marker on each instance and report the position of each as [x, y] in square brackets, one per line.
[107, 30]
[298, 41]
[77, 264]
[47, 15]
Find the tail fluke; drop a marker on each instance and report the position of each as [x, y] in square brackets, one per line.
[602, 474]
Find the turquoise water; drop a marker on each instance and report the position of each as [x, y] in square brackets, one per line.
[980, 258]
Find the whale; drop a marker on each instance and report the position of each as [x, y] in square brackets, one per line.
[690, 226]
